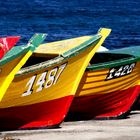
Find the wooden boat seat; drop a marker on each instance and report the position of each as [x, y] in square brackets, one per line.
[58, 48]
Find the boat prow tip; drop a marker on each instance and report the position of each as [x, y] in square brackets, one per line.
[36, 39]
[104, 31]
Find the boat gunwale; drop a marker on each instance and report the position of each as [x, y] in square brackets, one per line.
[62, 57]
[114, 63]
[17, 51]
[8, 57]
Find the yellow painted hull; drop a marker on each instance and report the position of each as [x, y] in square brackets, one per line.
[107, 93]
[94, 82]
[40, 95]
[66, 84]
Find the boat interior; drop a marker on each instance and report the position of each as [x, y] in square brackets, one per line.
[52, 50]
[103, 57]
[98, 58]
[33, 60]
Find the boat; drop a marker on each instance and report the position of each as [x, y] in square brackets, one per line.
[42, 90]
[109, 87]
[6, 43]
[13, 58]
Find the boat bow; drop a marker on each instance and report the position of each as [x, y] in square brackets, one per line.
[15, 59]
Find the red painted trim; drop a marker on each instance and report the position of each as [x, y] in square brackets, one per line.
[7, 43]
[46, 114]
[103, 105]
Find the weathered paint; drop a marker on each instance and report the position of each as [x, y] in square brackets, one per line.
[15, 52]
[11, 64]
[65, 86]
[134, 53]
[106, 98]
[39, 115]
[6, 43]
[112, 105]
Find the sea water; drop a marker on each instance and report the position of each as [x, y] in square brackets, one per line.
[62, 19]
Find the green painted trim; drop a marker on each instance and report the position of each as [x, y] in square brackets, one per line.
[111, 64]
[41, 65]
[17, 51]
[134, 53]
[35, 41]
[74, 51]
[60, 59]
[134, 50]
[13, 53]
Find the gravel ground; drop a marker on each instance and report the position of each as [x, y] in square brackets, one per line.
[124, 129]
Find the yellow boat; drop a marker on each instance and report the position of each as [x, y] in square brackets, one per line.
[109, 86]
[14, 60]
[42, 90]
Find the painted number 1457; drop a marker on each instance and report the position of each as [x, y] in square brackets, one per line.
[45, 80]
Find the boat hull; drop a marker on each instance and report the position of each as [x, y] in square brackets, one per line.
[39, 99]
[107, 106]
[46, 114]
[100, 98]
[40, 95]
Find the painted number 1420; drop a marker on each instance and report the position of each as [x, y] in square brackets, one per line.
[45, 80]
[120, 71]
